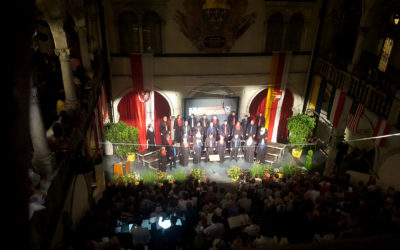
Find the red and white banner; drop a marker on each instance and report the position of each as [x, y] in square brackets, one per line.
[381, 128]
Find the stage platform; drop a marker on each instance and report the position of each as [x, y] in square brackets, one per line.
[150, 158]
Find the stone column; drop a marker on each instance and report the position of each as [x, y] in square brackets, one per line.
[362, 33]
[71, 101]
[84, 48]
[43, 159]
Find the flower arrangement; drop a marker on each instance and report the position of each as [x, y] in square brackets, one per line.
[263, 171]
[131, 178]
[161, 176]
[235, 172]
[118, 179]
[179, 175]
[197, 173]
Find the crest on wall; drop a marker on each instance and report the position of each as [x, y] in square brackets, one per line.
[214, 25]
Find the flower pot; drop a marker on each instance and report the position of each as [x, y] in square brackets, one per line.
[296, 153]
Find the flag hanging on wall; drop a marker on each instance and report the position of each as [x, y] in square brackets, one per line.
[317, 96]
[356, 111]
[336, 106]
[276, 92]
[381, 128]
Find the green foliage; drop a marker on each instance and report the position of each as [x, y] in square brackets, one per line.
[122, 133]
[261, 170]
[308, 163]
[118, 179]
[148, 177]
[131, 178]
[179, 175]
[287, 169]
[160, 176]
[197, 173]
[300, 127]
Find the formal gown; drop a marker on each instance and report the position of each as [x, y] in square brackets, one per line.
[184, 154]
[210, 145]
[249, 153]
[235, 146]
[261, 152]
[151, 140]
[221, 150]
[197, 148]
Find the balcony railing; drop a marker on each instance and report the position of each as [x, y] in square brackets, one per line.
[361, 90]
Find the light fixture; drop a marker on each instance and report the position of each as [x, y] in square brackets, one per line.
[396, 18]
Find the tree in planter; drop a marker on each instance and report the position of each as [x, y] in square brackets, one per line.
[122, 133]
[300, 129]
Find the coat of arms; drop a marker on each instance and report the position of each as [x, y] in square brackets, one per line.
[214, 25]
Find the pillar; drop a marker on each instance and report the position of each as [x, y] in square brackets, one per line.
[71, 101]
[362, 32]
[84, 49]
[43, 160]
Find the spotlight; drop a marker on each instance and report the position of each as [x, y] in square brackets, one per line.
[40, 36]
[396, 18]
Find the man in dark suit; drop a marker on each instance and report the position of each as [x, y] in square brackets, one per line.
[260, 121]
[165, 129]
[192, 122]
[232, 119]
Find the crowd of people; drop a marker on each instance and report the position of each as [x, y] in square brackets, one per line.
[210, 136]
[259, 213]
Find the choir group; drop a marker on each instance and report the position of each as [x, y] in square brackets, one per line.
[211, 137]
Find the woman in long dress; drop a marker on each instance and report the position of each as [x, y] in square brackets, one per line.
[197, 148]
[184, 153]
[261, 151]
[249, 153]
[221, 146]
[150, 138]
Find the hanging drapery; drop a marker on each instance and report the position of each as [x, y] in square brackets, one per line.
[286, 112]
[257, 106]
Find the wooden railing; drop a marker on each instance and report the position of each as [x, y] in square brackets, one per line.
[361, 90]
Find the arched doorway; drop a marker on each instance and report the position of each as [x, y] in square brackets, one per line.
[127, 111]
[258, 105]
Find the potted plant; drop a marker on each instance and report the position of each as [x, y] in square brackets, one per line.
[120, 133]
[300, 129]
[235, 172]
[261, 170]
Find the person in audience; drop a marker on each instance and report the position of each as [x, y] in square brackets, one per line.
[140, 236]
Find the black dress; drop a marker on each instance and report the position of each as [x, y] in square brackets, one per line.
[151, 140]
[162, 161]
[249, 153]
[197, 152]
[235, 146]
[209, 145]
[261, 152]
[221, 150]
[178, 130]
[184, 155]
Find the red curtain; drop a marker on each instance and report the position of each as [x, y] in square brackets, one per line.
[161, 109]
[258, 104]
[286, 112]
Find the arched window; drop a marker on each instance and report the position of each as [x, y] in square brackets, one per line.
[129, 33]
[274, 33]
[294, 32]
[151, 33]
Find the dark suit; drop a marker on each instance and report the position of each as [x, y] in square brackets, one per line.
[260, 123]
[235, 147]
[209, 145]
[165, 129]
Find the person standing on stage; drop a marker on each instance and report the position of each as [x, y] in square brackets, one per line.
[235, 146]
[251, 130]
[262, 134]
[260, 121]
[245, 124]
[212, 130]
[171, 152]
[186, 131]
[210, 146]
[249, 152]
[215, 122]
[150, 138]
[232, 119]
[237, 130]
[184, 152]
[198, 132]
[197, 148]
[204, 124]
[192, 123]
[225, 131]
[162, 159]
[261, 151]
[164, 130]
[178, 124]
[221, 147]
